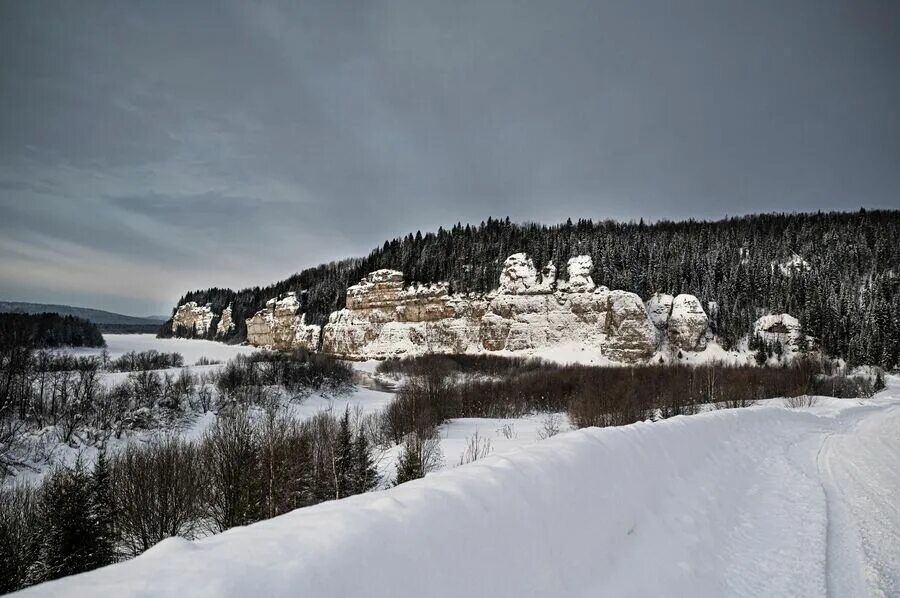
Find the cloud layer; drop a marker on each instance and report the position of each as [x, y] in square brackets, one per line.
[148, 148]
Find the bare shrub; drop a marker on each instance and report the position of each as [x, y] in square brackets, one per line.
[551, 425]
[508, 431]
[477, 447]
[158, 490]
[801, 401]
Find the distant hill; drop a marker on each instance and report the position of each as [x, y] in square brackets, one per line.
[107, 321]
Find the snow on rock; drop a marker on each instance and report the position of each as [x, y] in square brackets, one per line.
[659, 306]
[727, 503]
[791, 265]
[687, 324]
[518, 275]
[226, 323]
[783, 328]
[279, 326]
[579, 271]
[192, 319]
[384, 319]
[548, 278]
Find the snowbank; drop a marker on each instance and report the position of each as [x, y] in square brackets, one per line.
[724, 503]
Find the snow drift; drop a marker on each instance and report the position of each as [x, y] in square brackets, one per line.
[724, 503]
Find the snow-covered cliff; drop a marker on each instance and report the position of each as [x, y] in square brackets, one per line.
[280, 326]
[193, 319]
[529, 311]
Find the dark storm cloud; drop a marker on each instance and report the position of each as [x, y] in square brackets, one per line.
[146, 148]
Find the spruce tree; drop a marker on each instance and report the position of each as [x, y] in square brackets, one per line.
[409, 466]
[69, 535]
[365, 473]
[103, 513]
[343, 458]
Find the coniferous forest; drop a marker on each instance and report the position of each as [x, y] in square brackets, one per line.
[48, 331]
[839, 273]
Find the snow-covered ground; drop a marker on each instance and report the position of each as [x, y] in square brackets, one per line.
[763, 501]
[191, 349]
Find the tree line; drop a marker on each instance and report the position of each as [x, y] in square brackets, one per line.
[441, 388]
[844, 288]
[48, 330]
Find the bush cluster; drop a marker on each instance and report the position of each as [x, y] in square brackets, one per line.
[246, 468]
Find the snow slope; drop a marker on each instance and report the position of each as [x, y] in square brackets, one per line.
[765, 501]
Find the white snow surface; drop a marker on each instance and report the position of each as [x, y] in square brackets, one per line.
[191, 349]
[765, 501]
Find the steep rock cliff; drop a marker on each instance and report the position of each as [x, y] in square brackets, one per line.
[529, 311]
[279, 326]
[687, 324]
[191, 319]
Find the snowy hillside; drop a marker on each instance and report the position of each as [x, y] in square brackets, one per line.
[765, 501]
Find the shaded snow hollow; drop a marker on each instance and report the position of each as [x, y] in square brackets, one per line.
[736, 502]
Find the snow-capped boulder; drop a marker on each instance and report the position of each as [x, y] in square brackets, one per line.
[279, 326]
[518, 275]
[579, 271]
[783, 328]
[659, 306]
[191, 319]
[687, 324]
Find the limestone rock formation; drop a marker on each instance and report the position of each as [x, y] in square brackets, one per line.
[384, 319]
[279, 326]
[687, 324]
[191, 319]
[518, 275]
[579, 270]
[783, 328]
[226, 323]
[659, 306]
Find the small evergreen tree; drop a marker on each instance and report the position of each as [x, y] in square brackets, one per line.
[102, 513]
[343, 458]
[69, 535]
[761, 356]
[879, 381]
[365, 472]
[409, 466]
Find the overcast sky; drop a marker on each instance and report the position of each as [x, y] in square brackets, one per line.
[147, 148]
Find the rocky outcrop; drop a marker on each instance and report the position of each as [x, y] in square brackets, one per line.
[226, 323]
[659, 306]
[783, 328]
[687, 324]
[529, 311]
[279, 326]
[191, 319]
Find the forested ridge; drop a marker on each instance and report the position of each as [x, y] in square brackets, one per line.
[844, 288]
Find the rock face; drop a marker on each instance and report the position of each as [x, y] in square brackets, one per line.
[659, 306]
[196, 319]
[783, 328]
[279, 326]
[529, 311]
[226, 324]
[687, 324]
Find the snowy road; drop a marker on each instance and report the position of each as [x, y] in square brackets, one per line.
[765, 501]
[860, 471]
